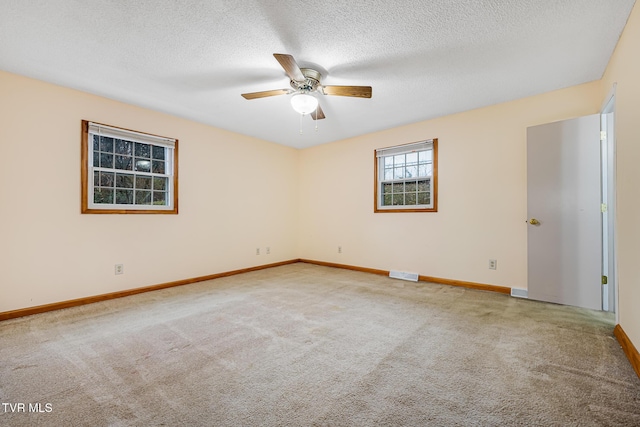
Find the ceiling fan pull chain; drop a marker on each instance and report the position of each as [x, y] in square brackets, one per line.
[301, 124]
[316, 120]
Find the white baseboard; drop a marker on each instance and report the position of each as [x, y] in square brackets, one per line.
[519, 293]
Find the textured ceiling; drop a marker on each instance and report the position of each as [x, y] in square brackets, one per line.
[424, 59]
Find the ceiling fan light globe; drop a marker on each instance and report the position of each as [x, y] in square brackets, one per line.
[303, 103]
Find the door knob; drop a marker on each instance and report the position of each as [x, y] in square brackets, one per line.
[534, 221]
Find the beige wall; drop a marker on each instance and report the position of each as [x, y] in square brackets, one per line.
[481, 194]
[50, 252]
[624, 69]
[236, 194]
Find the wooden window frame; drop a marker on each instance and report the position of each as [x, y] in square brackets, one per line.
[408, 208]
[85, 181]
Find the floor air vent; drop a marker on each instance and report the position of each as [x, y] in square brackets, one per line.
[412, 277]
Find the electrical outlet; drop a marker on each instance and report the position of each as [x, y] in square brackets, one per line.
[339, 249]
[119, 269]
[267, 250]
[257, 251]
[493, 264]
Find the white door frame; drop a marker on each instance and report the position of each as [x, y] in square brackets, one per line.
[608, 179]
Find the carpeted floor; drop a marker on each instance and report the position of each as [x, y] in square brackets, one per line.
[304, 345]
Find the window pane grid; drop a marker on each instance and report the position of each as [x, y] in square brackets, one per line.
[406, 166]
[405, 193]
[129, 173]
[129, 188]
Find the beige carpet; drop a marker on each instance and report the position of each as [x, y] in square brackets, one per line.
[304, 345]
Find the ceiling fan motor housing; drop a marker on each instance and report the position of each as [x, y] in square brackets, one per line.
[311, 82]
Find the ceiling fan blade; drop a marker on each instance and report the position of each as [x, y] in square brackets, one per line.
[290, 67]
[264, 94]
[357, 91]
[318, 114]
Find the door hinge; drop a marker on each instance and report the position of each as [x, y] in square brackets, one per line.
[603, 207]
[603, 135]
[604, 280]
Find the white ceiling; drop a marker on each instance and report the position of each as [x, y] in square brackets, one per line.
[424, 59]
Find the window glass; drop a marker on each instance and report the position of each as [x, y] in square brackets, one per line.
[405, 178]
[127, 171]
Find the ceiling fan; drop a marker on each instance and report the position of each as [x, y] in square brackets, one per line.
[305, 81]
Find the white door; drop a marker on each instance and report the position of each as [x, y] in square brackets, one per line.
[564, 244]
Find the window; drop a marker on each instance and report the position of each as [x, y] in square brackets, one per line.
[128, 172]
[406, 178]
